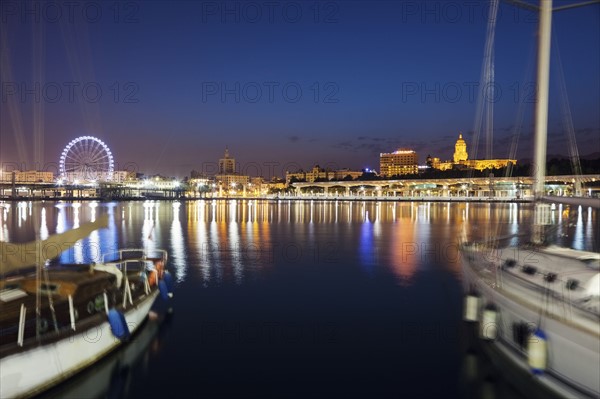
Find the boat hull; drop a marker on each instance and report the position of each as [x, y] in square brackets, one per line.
[57, 361]
[573, 353]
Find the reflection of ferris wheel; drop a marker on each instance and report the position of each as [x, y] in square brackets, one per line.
[86, 158]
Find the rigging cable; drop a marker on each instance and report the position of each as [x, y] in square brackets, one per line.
[485, 97]
[521, 97]
[566, 114]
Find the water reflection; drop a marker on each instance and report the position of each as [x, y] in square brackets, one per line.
[43, 225]
[5, 208]
[367, 248]
[148, 227]
[231, 238]
[234, 243]
[197, 223]
[177, 245]
[589, 236]
[578, 238]
[404, 251]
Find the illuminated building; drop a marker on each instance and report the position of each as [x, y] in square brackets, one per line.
[122, 176]
[228, 178]
[317, 173]
[400, 162]
[343, 174]
[274, 185]
[461, 160]
[226, 164]
[460, 150]
[29, 176]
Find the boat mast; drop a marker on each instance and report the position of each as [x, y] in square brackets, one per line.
[541, 111]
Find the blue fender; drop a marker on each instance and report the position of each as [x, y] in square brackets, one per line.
[168, 277]
[118, 324]
[165, 286]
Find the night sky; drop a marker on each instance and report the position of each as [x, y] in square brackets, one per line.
[167, 85]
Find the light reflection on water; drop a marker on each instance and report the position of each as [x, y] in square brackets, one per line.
[397, 236]
[228, 237]
[178, 258]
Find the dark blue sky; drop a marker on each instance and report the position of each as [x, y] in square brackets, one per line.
[281, 83]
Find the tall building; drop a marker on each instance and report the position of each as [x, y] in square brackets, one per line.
[460, 150]
[400, 162]
[461, 159]
[228, 179]
[226, 164]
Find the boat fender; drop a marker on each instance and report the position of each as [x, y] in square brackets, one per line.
[168, 277]
[537, 353]
[164, 291]
[489, 323]
[471, 307]
[118, 324]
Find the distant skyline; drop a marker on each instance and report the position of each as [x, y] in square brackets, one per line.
[168, 85]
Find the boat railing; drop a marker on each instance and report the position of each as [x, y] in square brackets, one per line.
[131, 254]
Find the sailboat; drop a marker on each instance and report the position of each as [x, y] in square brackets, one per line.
[537, 306]
[57, 320]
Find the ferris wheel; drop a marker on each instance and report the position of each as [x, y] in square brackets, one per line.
[86, 159]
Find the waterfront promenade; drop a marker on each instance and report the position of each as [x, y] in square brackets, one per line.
[491, 189]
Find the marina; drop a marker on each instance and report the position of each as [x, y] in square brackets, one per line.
[339, 199]
[263, 288]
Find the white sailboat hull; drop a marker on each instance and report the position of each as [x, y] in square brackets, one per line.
[573, 348]
[33, 371]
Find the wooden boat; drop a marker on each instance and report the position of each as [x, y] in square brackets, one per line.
[56, 321]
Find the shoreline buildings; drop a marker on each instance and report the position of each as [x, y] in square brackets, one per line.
[318, 173]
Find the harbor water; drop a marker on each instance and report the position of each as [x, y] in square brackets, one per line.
[298, 298]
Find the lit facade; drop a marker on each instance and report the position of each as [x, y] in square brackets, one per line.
[28, 176]
[461, 159]
[232, 180]
[318, 173]
[460, 150]
[226, 164]
[227, 178]
[400, 162]
[273, 185]
[122, 176]
[158, 183]
[343, 173]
